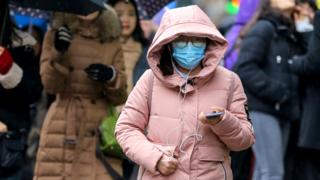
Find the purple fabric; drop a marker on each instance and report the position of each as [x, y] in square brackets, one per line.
[247, 10]
[232, 54]
[157, 18]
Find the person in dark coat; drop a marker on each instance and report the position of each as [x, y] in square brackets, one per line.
[20, 86]
[308, 69]
[272, 90]
[241, 162]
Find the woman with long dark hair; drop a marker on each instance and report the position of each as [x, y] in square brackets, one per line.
[135, 47]
[20, 86]
[134, 44]
[272, 90]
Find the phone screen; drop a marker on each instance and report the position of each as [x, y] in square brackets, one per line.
[214, 115]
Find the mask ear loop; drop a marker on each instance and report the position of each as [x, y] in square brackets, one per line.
[171, 155]
[197, 135]
[180, 103]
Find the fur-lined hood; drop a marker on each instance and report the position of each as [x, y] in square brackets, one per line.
[106, 27]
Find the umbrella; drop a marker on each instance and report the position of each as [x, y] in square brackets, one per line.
[80, 7]
[157, 18]
[34, 13]
[23, 21]
[24, 17]
[149, 8]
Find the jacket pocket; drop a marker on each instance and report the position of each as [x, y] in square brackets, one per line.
[11, 150]
[211, 163]
[207, 153]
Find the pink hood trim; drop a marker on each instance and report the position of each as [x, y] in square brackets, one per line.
[187, 21]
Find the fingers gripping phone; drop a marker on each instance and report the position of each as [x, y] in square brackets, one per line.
[214, 115]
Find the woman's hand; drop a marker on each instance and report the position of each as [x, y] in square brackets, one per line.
[3, 127]
[62, 39]
[101, 72]
[167, 165]
[212, 121]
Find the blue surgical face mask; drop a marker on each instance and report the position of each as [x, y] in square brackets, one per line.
[304, 25]
[188, 55]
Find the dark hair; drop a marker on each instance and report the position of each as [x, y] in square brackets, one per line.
[165, 64]
[312, 3]
[137, 34]
[36, 29]
[6, 27]
[265, 11]
[264, 5]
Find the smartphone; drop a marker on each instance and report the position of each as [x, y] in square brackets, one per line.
[214, 115]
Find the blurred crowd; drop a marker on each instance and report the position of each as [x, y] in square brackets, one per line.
[273, 47]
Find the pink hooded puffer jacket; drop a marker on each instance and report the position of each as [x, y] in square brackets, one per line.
[167, 122]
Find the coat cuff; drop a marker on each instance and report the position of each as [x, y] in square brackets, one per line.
[116, 81]
[152, 162]
[12, 78]
[114, 74]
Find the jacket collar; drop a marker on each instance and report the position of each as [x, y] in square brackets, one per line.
[282, 25]
[280, 22]
[105, 27]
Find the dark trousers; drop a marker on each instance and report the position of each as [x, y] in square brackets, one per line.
[242, 164]
[127, 167]
[308, 165]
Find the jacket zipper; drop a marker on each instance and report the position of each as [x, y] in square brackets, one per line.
[224, 170]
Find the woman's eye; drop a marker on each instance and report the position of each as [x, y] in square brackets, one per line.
[132, 14]
[198, 43]
[119, 11]
[120, 14]
[181, 44]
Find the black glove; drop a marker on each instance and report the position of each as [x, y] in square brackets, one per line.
[62, 39]
[100, 72]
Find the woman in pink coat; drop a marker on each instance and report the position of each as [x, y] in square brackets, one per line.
[163, 126]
